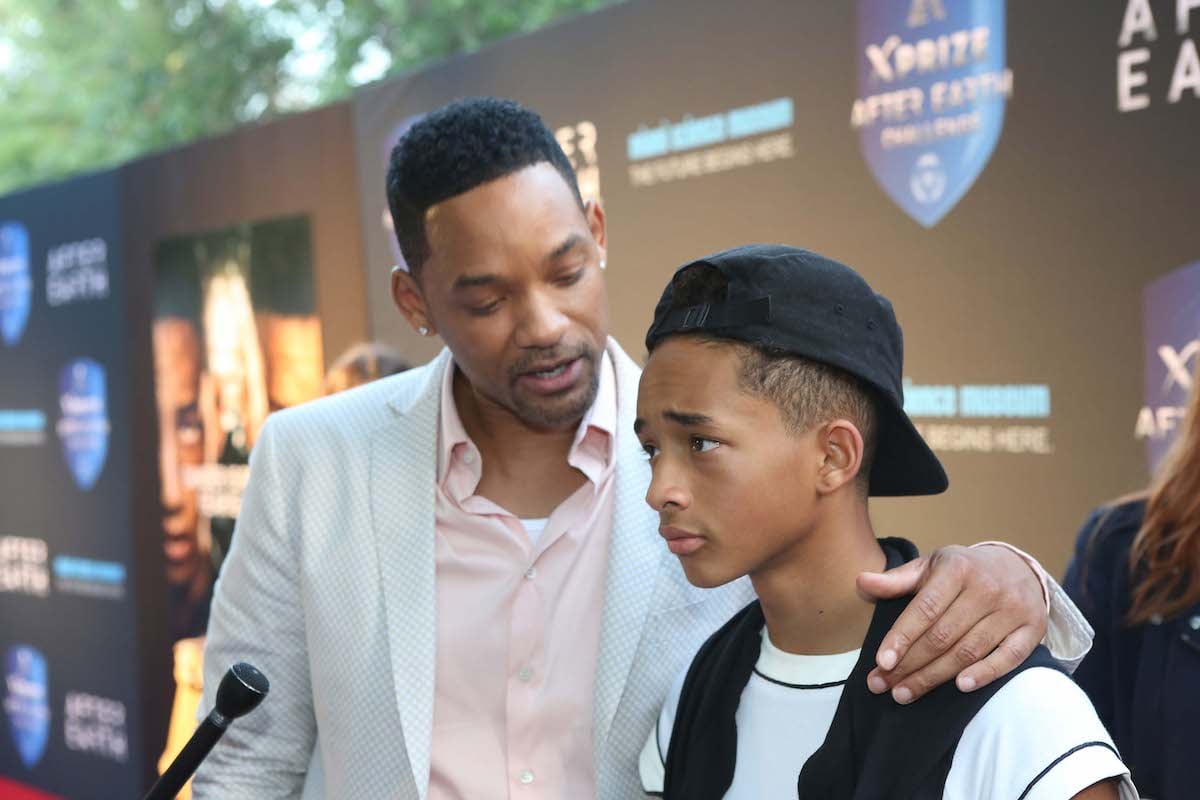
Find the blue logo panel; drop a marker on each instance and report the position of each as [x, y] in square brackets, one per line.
[26, 702]
[16, 281]
[932, 86]
[1171, 329]
[84, 426]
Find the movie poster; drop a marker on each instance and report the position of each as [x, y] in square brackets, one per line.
[235, 336]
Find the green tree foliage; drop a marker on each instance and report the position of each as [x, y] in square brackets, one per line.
[86, 84]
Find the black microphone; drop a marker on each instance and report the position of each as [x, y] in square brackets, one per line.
[240, 692]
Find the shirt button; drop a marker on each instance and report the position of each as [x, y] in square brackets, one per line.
[1195, 623]
[526, 674]
[469, 457]
[531, 573]
[526, 776]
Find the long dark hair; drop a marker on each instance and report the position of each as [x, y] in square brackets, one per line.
[1165, 557]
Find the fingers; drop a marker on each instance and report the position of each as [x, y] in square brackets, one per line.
[958, 629]
[897, 582]
[970, 649]
[1015, 648]
[992, 648]
[943, 584]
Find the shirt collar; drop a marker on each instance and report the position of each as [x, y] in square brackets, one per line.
[592, 450]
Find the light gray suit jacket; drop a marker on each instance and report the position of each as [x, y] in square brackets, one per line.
[329, 590]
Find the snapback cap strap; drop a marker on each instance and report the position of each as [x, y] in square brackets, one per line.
[714, 316]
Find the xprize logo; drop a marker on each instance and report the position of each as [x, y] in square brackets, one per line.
[84, 426]
[95, 725]
[24, 567]
[1138, 40]
[77, 271]
[932, 86]
[1158, 421]
[26, 702]
[1171, 333]
[16, 283]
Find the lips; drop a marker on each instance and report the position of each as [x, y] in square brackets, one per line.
[681, 542]
[552, 377]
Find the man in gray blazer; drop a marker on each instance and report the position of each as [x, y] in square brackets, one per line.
[451, 576]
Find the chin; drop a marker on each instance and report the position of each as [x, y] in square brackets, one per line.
[562, 411]
[704, 576]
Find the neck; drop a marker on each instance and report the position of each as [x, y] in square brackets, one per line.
[808, 592]
[503, 439]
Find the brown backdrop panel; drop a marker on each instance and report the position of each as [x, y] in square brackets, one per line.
[1034, 278]
[299, 167]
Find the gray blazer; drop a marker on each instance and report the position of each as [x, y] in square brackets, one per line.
[329, 589]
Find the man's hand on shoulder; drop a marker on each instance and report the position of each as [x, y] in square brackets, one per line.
[978, 612]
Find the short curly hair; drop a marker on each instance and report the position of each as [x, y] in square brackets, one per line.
[461, 146]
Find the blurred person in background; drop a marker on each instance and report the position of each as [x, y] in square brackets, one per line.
[1136, 577]
[361, 364]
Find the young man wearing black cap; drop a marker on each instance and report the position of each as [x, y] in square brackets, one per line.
[770, 408]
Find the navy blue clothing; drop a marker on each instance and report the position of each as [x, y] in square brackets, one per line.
[1143, 680]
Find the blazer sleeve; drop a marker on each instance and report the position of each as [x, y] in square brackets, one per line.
[258, 617]
[1089, 583]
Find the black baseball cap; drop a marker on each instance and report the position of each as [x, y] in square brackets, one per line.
[795, 301]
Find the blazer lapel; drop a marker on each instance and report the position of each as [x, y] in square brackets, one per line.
[402, 485]
[635, 557]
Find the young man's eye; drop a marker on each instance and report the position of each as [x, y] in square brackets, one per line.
[650, 450]
[702, 445]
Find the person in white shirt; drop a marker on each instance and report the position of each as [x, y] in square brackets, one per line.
[771, 407]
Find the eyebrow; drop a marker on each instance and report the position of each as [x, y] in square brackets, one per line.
[681, 417]
[464, 282]
[688, 419]
[568, 244]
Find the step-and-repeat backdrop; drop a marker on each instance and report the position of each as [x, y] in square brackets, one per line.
[1019, 178]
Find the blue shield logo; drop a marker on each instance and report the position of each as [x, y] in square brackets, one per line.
[932, 84]
[16, 283]
[84, 427]
[1171, 333]
[26, 702]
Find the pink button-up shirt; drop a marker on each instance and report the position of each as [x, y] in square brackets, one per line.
[518, 623]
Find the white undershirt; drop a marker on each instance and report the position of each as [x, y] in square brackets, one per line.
[1037, 738]
[534, 528]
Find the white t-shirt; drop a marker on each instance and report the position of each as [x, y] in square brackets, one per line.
[1037, 738]
[534, 529]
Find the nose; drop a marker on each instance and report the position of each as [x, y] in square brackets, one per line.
[543, 322]
[667, 489]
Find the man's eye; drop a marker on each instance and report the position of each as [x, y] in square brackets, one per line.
[702, 445]
[571, 279]
[650, 450]
[483, 311]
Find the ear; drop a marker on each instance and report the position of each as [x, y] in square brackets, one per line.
[843, 448]
[406, 293]
[598, 226]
